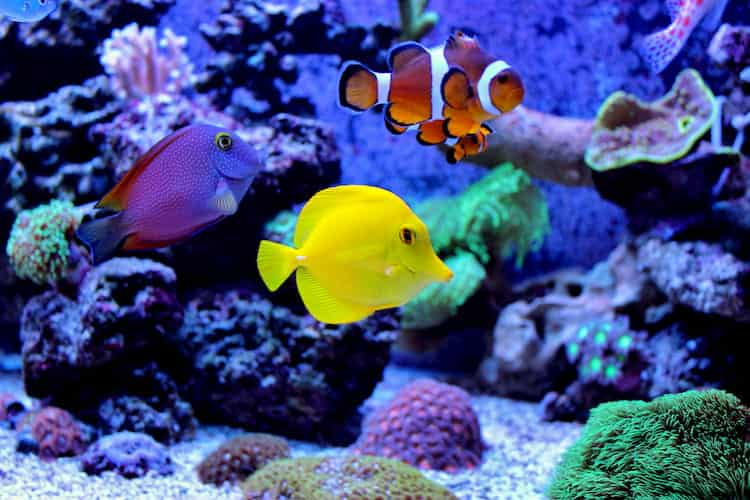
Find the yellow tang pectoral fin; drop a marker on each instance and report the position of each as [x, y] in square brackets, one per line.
[325, 307]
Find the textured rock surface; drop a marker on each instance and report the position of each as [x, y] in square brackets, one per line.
[263, 367]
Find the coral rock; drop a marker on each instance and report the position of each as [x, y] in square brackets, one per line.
[690, 445]
[57, 433]
[428, 424]
[129, 454]
[261, 366]
[698, 275]
[240, 457]
[319, 478]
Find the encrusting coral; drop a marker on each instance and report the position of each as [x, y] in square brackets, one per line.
[129, 454]
[56, 433]
[240, 457]
[628, 130]
[428, 424]
[343, 476]
[689, 445]
[139, 65]
[39, 243]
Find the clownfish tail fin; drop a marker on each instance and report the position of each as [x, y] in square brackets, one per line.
[360, 88]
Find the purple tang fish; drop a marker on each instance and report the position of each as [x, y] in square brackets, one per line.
[188, 181]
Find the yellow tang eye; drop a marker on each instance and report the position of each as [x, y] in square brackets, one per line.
[223, 141]
[407, 236]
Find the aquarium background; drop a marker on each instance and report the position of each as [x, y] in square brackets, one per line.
[594, 296]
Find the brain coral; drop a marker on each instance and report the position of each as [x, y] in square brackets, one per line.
[239, 457]
[57, 433]
[130, 454]
[345, 477]
[428, 424]
[689, 445]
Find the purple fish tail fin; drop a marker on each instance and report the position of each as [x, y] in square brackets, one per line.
[103, 236]
[275, 263]
[659, 49]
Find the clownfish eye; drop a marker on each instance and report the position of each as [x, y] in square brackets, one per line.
[223, 141]
[407, 236]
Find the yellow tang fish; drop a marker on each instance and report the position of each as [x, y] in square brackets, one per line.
[358, 249]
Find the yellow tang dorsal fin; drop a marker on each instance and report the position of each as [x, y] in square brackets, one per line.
[327, 201]
[325, 307]
[118, 196]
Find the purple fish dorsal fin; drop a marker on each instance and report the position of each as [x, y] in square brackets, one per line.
[674, 7]
[117, 198]
[714, 15]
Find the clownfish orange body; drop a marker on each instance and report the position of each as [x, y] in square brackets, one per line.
[446, 93]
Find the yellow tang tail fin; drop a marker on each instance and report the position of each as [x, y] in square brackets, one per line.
[275, 263]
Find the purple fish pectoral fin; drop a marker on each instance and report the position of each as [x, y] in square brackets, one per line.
[104, 236]
[224, 201]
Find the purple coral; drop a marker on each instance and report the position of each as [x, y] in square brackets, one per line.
[139, 65]
[428, 424]
[129, 454]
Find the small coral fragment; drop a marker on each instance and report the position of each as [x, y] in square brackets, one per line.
[240, 457]
[57, 434]
[428, 424]
[415, 22]
[129, 454]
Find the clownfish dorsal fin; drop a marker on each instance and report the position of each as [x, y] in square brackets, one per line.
[117, 198]
[329, 200]
[456, 89]
[458, 40]
[404, 53]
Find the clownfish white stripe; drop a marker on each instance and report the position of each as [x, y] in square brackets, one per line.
[439, 67]
[451, 141]
[483, 87]
[384, 86]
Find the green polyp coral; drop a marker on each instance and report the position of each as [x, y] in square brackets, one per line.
[38, 247]
[440, 301]
[679, 446]
[346, 476]
[415, 22]
[281, 228]
[628, 130]
[501, 214]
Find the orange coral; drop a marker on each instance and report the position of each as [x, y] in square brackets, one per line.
[428, 424]
[57, 433]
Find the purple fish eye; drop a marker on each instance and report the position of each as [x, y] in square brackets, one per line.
[223, 141]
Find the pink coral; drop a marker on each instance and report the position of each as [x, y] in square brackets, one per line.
[428, 424]
[139, 65]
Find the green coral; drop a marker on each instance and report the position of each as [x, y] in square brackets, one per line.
[415, 22]
[628, 130]
[500, 214]
[281, 228]
[39, 246]
[681, 446]
[347, 476]
[440, 301]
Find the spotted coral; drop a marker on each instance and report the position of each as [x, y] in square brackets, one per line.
[689, 445]
[428, 424]
[139, 65]
[240, 457]
[129, 454]
[57, 433]
[498, 215]
[39, 243]
[628, 130]
[441, 301]
[347, 476]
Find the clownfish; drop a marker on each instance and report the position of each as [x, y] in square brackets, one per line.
[446, 93]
